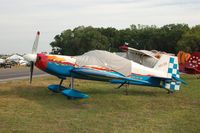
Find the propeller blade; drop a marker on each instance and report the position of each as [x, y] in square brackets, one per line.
[33, 56]
[35, 45]
[31, 71]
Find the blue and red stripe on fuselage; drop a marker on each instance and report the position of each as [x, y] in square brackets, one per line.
[52, 67]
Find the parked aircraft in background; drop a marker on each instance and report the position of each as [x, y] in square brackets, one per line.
[143, 57]
[189, 63]
[104, 66]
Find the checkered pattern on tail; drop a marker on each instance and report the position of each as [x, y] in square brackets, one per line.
[173, 71]
[173, 67]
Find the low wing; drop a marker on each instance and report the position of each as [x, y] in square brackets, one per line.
[92, 74]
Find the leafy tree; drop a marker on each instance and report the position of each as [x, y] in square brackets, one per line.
[190, 41]
[113, 37]
[170, 35]
[169, 38]
[80, 40]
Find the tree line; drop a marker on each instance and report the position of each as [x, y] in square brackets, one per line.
[169, 38]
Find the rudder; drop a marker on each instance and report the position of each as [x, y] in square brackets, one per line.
[173, 84]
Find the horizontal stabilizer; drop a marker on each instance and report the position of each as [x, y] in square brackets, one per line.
[179, 79]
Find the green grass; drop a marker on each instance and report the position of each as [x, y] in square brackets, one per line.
[33, 108]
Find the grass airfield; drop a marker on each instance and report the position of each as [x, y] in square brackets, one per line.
[33, 108]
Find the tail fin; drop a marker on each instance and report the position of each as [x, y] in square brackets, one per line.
[162, 64]
[169, 65]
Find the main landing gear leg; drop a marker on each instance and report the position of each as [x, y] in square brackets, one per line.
[121, 85]
[57, 88]
[71, 93]
[169, 92]
[71, 86]
[61, 81]
[127, 86]
[71, 83]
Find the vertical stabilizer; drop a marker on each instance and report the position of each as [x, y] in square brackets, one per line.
[169, 65]
[163, 64]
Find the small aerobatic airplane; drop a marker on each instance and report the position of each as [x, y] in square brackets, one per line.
[104, 66]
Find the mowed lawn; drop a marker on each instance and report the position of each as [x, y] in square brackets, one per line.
[33, 108]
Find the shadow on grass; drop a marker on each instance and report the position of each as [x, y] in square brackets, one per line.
[38, 94]
[146, 93]
[41, 95]
[122, 91]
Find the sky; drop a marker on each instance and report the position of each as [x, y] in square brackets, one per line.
[21, 19]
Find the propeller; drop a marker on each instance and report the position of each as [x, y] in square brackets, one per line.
[31, 71]
[32, 57]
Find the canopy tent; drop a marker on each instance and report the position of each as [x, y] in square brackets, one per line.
[15, 58]
[2, 61]
[23, 62]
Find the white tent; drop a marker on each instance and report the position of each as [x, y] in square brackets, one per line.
[2, 61]
[16, 58]
[23, 62]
